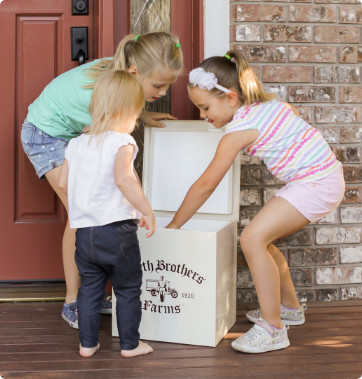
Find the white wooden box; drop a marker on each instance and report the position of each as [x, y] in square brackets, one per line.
[189, 275]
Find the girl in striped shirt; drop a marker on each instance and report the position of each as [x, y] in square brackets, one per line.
[228, 93]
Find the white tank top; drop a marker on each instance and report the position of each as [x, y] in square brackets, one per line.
[93, 196]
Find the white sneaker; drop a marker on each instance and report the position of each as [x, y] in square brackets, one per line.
[262, 337]
[288, 316]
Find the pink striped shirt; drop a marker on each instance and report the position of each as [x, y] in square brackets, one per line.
[291, 148]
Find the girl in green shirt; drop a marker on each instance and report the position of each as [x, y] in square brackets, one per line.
[61, 112]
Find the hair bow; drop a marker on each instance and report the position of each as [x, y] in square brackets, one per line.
[205, 80]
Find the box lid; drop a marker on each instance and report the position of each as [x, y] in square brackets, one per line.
[175, 157]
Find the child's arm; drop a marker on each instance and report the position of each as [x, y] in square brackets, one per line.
[293, 108]
[63, 177]
[152, 118]
[228, 148]
[130, 187]
[137, 177]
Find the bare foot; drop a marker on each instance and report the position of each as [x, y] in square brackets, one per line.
[141, 349]
[87, 352]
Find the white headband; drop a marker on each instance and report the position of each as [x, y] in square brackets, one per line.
[205, 80]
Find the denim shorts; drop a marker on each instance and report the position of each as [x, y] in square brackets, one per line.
[44, 151]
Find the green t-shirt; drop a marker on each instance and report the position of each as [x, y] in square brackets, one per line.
[62, 109]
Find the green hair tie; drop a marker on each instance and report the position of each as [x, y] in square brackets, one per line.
[137, 36]
[228, 57]
[177, 45]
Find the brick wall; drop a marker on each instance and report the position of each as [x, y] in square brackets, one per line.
[309, 53]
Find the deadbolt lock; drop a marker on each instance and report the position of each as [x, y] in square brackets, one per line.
[80, 7]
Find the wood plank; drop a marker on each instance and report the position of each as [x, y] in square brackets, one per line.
[174, 360]
[36, 343]
[196, 368]
[111, 374]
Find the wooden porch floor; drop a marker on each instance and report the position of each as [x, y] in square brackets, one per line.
[35, 343]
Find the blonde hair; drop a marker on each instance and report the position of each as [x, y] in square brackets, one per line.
[115, 92]
[236, 74]
[148, 53]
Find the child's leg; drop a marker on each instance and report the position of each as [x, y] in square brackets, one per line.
[287, 291]
[87, 352]
[126, 278]
[277, 219]
[141, 349]
[71, 274]
[89, 258]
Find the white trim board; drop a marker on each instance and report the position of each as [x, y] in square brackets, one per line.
[216, 27]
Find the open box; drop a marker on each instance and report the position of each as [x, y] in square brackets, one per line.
[189, 275]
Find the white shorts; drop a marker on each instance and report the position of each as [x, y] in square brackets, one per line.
[316, 199]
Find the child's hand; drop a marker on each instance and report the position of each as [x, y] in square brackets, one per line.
[151, 118]
[149, 222]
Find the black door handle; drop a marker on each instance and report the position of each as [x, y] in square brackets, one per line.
[81, 57]
[79, 40]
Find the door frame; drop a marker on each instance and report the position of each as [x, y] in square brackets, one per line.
[192, 41]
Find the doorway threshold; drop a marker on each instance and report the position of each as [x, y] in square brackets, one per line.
[11, 292]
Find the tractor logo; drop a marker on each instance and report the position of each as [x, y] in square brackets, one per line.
[160, 287]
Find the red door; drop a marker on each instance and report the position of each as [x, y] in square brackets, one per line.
[187, 24]
[35, 47]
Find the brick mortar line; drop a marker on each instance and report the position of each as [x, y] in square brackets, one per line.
[307, 44]
[315, 247]
[307, 64]
[337, 265]
[295, 23]
[315, 287]
[293, 3]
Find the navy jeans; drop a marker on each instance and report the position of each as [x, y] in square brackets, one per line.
[109, 252]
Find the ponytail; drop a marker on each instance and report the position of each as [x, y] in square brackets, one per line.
[149, 53]
[233, 72]
[251, 88]
[120, 60]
